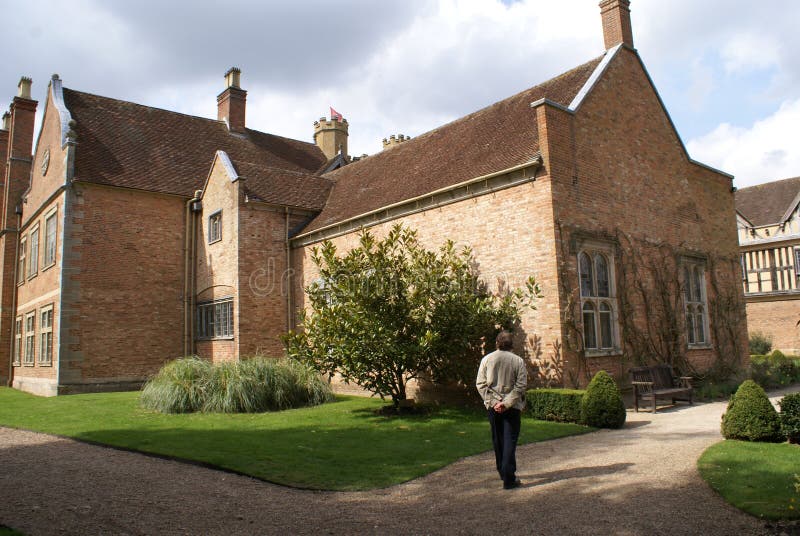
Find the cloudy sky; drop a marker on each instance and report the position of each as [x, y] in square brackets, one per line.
[728, 70]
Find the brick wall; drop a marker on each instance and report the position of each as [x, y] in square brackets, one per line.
[217, 274]
[123, 284]
[620, 170]
[777, 319]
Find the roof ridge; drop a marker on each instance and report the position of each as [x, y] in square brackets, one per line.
[173, 112]
[767, 184]
[265, 166]
[417, 139]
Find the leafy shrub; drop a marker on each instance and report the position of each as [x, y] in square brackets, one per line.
[790, 417]
[710, 390]
[751, 417]
[560, 405]
[248, 386]
[760, 344]
[602, 405]
[774, 370]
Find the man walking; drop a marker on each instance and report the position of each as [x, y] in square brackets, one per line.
[502, 379]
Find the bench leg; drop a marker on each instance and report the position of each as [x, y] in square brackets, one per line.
[654, 404]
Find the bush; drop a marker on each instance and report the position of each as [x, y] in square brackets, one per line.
[250, 386]
[751, 417]
[760, 344]
[774, 370]
[560, 405]
[602, 405]
[178, 387]
[790, 417]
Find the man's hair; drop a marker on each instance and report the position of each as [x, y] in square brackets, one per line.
[505, 340]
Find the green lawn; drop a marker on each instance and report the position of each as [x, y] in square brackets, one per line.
[755, 477]
[339, 446]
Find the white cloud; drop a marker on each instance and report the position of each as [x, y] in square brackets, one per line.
[766, 151]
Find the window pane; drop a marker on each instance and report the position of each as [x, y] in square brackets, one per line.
[690, 326]
[605, 326]
[687, 284]
[589, 334]
[33, 264]
[50, 240]
[700, 326]
[698, 284]
[601, 270]
[585, 275]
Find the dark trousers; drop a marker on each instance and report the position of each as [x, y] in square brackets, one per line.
[505, 432]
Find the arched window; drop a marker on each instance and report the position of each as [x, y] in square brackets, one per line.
[598, 300]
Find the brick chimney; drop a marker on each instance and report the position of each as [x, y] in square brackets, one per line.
[231, 102]
[616, 16]
[20, 148]
[331, 136]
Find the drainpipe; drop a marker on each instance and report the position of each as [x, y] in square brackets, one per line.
[289, 277]
[188, 274]
[13, 337]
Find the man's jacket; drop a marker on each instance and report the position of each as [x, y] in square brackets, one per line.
[502, 377]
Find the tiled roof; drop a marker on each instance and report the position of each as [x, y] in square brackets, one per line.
[283, 187]
[492, 139]
[129, 145]
[766, 204]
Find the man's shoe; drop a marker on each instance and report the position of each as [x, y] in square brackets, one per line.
[517, 483]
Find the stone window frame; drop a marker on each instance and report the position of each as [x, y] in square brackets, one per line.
[215, 319]
[29, 355]
[215, 227]
[21, 260]
[17, 361]
[46, 335]
[597, 305]
[50, 245]
[695, 303]
[797, 265]
[33, 257]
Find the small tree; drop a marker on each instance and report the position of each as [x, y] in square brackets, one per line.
[389, 311]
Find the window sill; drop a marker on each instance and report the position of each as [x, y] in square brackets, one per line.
[215, 339]
[48, 267]
[611, 352]
[33, 276]
[703, 346]
[50, 364]
[215, 241]
[16, 364]
[29, 364]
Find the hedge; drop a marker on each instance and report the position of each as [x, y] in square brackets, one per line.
[560, 405]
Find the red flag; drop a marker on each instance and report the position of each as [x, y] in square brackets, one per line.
[336, 115]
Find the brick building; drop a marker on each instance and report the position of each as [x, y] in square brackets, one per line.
[136, 235]
[768, 219]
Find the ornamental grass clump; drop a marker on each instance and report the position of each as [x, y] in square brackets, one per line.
[751, 417]
[250, 386]
[602, 405]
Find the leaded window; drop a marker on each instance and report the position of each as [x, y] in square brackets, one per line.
[215, 319]
[50, 226]
[46, 335]
[215, 227]
[695, 307]
[33, 262]
[598, 300]
[30, 338]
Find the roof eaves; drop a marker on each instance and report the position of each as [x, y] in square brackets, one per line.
[228, 165]
[792, 207]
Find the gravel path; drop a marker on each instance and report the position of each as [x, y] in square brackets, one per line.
[638, 480]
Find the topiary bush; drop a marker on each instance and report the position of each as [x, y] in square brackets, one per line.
[774, 370]
[760, 344]
[249, 386]
[751, 417]
[790, 417]
[602, 405]
[560, 405]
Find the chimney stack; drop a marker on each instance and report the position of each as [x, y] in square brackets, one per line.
[24, 88]
[6, 122]
[331, 137]
[231, 102]
[616, 15]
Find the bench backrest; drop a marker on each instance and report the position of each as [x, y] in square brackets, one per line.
[660, 375]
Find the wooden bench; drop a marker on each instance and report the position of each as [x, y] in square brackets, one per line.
[657, 381]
